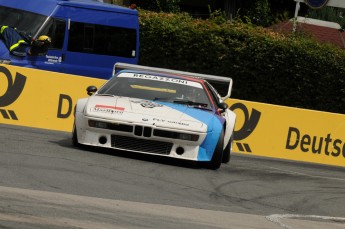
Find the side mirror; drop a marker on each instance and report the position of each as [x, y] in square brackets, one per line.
[223, 106]
[91, 89]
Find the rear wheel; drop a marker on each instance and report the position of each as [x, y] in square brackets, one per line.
[217, 157]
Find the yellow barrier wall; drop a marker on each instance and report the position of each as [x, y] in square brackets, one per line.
[289, 133]
[41, 99]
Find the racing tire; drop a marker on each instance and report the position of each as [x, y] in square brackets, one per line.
[217, 157]
[75, 137]
[227, 151]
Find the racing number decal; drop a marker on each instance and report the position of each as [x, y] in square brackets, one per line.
[14, 89]
[249, 125]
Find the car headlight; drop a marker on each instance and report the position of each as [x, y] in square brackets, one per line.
[176, 135]
[188, 137]
[110, 126]
[97, 124]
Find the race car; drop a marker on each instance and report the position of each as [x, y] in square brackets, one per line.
[160, 112]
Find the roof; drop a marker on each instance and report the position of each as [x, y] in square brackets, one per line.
[322, 31]
[46, 7]
[124, 66]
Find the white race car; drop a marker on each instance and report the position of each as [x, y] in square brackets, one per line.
[159, 112]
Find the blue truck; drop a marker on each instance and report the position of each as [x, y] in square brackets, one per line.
[87, 37]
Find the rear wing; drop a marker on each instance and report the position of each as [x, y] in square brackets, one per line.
[219, 79]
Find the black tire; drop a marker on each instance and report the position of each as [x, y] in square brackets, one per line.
[75, 137]
[227, 151]
[217, 157]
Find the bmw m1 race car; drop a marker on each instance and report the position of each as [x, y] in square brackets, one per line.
[159, 112]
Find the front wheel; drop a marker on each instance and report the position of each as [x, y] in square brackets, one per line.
[217, 157]
[75, 137]
[227, 151]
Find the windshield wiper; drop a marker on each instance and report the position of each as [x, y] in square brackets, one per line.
[194, 104]
[161, 99]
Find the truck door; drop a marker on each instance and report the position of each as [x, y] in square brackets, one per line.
[93, 49]
[53, 61]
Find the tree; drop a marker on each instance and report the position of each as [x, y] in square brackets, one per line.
[169, 6]
[260, 13]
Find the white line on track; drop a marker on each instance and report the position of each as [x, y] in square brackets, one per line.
[277, 218]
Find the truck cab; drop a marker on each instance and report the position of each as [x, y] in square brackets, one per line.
[88, 37]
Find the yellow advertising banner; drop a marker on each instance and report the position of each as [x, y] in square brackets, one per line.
[289, 133]
[40, 99]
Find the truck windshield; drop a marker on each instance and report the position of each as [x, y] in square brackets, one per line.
[20, 19]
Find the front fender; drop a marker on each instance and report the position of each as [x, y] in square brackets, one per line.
[230, 118]
[81, 103]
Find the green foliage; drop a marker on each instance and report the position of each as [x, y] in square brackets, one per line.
[170, 6]
[281, 16]
[260, 13]
[265, 66]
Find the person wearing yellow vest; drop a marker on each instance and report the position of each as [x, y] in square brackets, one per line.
[20, 43]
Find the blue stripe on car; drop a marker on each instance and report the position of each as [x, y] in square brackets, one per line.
[214, 128]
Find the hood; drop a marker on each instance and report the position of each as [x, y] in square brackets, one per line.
[146, 112]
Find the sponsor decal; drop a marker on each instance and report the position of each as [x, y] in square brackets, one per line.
[15, 87]
[170, 121]
[161, 78]
[53, 59]
[150, 105]
[248, 127]
[108, 109]
[316, 4]
[325, 145]
[166, 90]
[147, 104]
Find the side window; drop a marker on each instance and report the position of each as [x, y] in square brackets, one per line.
[58, 34]
[102, 40]
[56, 31]
[89, 38]
[215, 96]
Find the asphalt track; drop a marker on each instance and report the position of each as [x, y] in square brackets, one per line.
[46, 183]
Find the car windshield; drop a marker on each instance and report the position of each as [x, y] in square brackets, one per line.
[20, 19]
[157, 88]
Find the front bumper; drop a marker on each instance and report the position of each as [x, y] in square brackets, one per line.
[141, 139]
